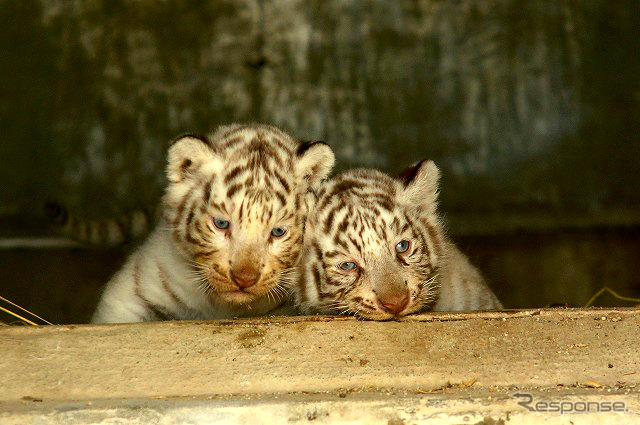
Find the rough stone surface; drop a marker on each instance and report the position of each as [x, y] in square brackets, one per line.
[531, 108]
[453, 368]
[282, 355]
[388, 408]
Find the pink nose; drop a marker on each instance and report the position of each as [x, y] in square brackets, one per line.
[394, 303]
[245, 278]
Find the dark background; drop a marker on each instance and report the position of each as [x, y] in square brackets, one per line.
[530, 108]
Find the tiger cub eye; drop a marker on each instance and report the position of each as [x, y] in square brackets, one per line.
[279, 231]
[348, 266]
[402, 246]
[220, 223]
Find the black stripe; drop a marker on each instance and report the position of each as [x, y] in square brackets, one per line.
[159, 312]
[207, 190]
[302, 284]
[402, 260]
[283, 182]
[202, 138]
[277, 141]
[233, 189]
[228, 144]
[298, 202]
[382, 200]
[206, 253]
[337, 239]
[316, 249]
[418, 234]
[164, 279]
[329, 220]
[190, 216]
[356, 245]
[315, 269]
[346, 185]
[234, 173]
[235, 130]
[342, 227]
[434, 237]
[189, 238]
[280, 197]
[306, 145]
[155, 310]
[182, 205]
[122, 229]
[407, 175]
[202, 233]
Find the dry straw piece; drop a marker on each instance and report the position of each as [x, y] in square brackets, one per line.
[23, 319]
[612, 292]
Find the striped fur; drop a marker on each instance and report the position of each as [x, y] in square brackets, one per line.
[230, 232]
[351, 262]
[108, 232]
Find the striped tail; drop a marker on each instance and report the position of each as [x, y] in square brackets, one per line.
[108, 232]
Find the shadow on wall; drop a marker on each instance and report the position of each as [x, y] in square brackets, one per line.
[563, 267]
[531, 109]
[526, 271]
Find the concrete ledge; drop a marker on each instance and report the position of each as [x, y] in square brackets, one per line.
[387, 408]
[429, 361]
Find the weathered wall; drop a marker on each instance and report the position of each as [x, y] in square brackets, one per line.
[531, 108]
[526, 105]
[526, 271]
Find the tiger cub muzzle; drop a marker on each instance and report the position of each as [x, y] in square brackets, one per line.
[245, 278]
[246, 272]
[392, 295]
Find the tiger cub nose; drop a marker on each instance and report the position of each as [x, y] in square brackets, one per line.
[394, 303]
[245, 278]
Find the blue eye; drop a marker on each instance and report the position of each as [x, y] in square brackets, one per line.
[402, 246]
[347, 266]
[277, 232]
[220, 224]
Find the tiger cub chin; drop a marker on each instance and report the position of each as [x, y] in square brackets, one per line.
[375, 247]
[230, 231]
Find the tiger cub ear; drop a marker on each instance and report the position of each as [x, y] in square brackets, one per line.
[190, 154]
[315, 161]
[420, 185]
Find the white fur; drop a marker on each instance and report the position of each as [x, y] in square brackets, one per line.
[176, 276]
[119, 303]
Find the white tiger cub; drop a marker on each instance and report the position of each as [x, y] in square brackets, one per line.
[374, 247]
[230, 232]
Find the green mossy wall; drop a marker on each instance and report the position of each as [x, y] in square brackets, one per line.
[531, 109]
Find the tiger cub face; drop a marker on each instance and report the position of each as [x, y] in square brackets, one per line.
[373, 245]
[235, 206]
